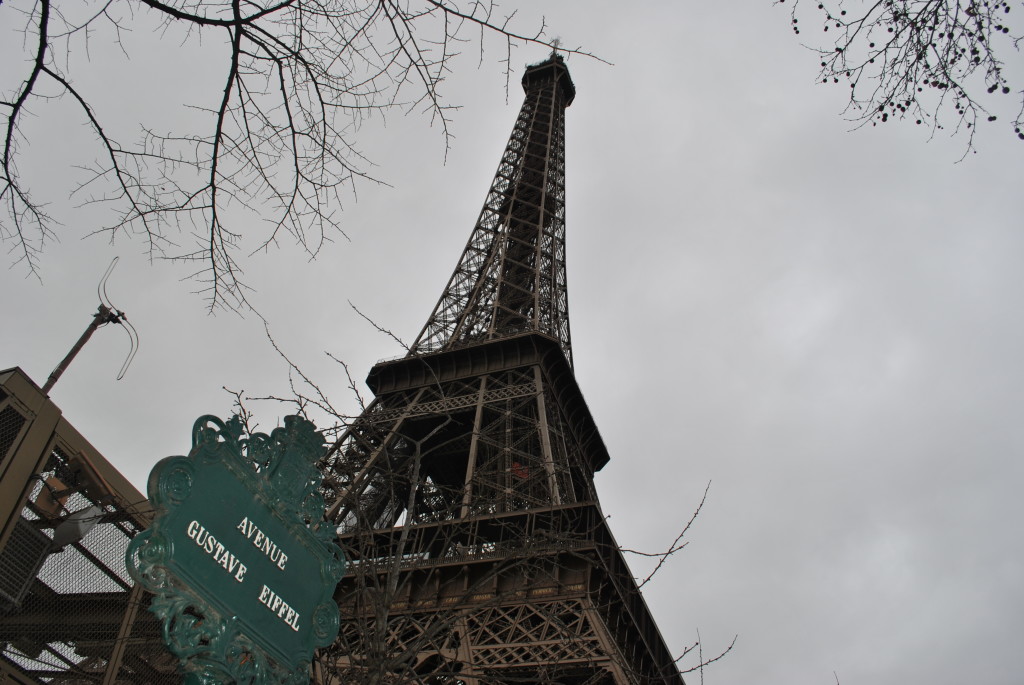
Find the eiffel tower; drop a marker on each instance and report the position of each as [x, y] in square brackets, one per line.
[464, 493]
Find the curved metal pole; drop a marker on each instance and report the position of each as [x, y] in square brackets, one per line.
[104, 315]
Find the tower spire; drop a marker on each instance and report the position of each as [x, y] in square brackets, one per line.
[511, 276]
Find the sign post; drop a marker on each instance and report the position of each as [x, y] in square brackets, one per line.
[239, 559]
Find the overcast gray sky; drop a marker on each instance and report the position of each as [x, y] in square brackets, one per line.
[825, 324]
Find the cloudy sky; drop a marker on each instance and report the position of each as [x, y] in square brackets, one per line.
[824, 324]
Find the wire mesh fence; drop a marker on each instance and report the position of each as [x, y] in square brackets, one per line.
[69, 612]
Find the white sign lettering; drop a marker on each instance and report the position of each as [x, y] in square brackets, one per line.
[284, 612]
[226, 559]
[221, 555]
[262, 542]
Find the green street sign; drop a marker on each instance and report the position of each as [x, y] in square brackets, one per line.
[239, 558]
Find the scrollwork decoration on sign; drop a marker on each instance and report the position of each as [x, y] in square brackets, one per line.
[222, 586]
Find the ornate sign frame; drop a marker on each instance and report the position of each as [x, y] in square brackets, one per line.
[241, 564]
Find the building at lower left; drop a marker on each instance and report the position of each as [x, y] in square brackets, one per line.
[69, 612]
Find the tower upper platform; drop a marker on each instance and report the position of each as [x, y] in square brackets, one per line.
[551, 69]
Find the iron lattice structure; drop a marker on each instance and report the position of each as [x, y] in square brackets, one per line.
[511, 277]
[464, 493]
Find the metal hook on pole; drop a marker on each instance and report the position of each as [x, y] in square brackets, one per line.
[106, 313]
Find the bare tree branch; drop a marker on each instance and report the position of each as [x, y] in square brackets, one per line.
[276, 138]
[380, 329]
[676, 545]
[702, 662]
[925, 61]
